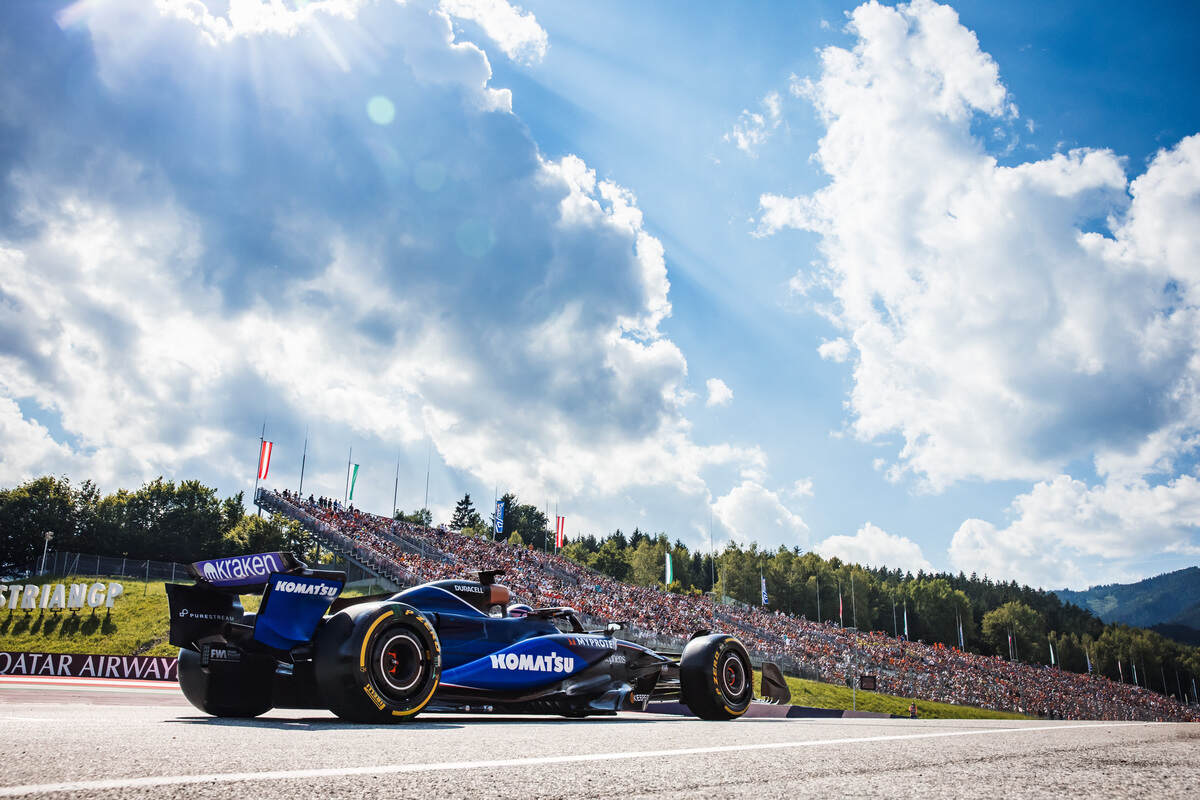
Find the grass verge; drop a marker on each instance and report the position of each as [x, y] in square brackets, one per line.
[135, 625]
[828, 695]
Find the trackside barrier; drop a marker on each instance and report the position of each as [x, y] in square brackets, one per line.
[83, 665]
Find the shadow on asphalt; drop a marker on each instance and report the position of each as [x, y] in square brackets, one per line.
[312, 724]
[429, 722]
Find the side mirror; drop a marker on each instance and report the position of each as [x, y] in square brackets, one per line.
[612, 628]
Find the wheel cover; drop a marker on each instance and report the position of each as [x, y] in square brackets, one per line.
[399, 664]
[733, 677]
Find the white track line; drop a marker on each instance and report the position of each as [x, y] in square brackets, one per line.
[119, 784]
[91, 684]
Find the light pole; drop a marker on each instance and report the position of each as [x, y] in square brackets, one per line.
[45, 547]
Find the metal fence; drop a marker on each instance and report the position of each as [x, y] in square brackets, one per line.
[111, 567]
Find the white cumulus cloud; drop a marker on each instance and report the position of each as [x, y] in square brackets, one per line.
[988, 323]
[189, 247]
[754, 128]
[752, 513]
[1006, 321]
[834, 350]
[719, 394]
[515, 31]
[872, 546]
[1067, 534]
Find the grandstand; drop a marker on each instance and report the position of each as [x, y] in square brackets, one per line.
[407, 554]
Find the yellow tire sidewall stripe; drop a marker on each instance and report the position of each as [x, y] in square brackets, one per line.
[362, 656]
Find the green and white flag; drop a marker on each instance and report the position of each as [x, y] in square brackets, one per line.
[670, 572]
[353, 478]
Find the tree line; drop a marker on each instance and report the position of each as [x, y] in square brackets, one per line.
[161, 521]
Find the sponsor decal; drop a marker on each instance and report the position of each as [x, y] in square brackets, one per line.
[239, 570]
[210, 653]
[293, 607]
[594, 642]
[299, 587]
[615, 658]
[374, 695]
[466, 587]
[56, 596]
[80, 665]
[527, 662]
[641, 698]
[188, 614]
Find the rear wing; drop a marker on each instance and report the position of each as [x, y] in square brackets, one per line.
[243, 574]
[294, 599]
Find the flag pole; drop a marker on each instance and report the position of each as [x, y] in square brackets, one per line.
[303, 458]
[396, 488]
[818, 578]
[262, 437]
[853, 603]
[428, 461]
[346, 496]
[712, 558]
[841, 615]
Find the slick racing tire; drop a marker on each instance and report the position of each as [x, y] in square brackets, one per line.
[225, 689]
[715, 677]
[377, 662]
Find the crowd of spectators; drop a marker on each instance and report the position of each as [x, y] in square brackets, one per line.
[413, 553]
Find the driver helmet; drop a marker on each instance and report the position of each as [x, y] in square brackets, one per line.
[519, 610]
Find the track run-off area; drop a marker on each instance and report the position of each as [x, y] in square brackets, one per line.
[87, 740]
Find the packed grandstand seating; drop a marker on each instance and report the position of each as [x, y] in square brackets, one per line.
[410, 554]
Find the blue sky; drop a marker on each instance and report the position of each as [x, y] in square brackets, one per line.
[911, 285]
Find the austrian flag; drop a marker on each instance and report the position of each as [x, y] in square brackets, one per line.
[560, 534]
[264, 459]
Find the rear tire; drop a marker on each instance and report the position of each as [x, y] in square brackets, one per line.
[377, 662]
[715, 676]
[224, 689]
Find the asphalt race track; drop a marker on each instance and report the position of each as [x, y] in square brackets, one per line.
[80, 739]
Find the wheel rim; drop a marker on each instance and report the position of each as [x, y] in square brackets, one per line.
[733, 677]
[399, 664]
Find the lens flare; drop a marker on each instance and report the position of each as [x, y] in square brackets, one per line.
[380, 110]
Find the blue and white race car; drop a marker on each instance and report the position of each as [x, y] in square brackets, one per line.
[451, 645]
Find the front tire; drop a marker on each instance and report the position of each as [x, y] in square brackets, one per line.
[377, 662]
[715, 676]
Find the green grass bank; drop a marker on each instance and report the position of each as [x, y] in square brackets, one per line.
[135, 625]
[828, 695]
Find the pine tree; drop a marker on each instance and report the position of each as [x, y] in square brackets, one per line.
[465, 515]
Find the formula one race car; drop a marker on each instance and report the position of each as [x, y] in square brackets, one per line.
[451, 645]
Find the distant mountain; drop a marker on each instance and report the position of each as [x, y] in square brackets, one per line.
[1179, 633]
[1169, 599]
[1189, 617]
